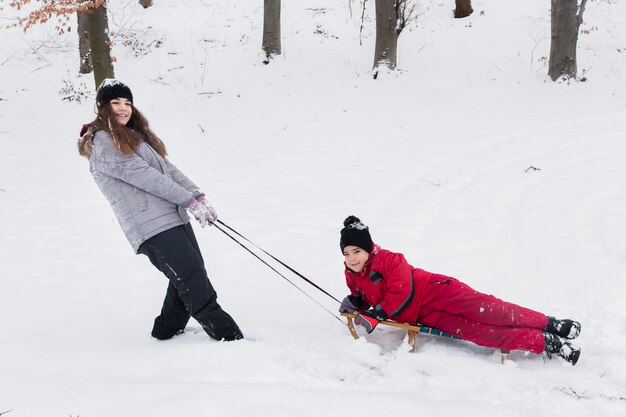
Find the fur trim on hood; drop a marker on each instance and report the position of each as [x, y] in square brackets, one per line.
[85, 143]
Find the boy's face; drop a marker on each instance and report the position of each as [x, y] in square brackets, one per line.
[355, 257]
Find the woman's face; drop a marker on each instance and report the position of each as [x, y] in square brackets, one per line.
[122, 109]
[355, 257]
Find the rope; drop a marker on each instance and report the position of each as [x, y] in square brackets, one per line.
[274, 269]
[278, 260]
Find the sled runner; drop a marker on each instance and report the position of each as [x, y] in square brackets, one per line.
[412, 331]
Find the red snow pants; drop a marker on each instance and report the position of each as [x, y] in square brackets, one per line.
[456, 308]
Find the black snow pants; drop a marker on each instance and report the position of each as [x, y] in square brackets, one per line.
[176, 253]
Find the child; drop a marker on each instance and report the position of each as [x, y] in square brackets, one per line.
[149, 197]
[396, 291]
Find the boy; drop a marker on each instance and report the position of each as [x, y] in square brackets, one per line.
[395, 290]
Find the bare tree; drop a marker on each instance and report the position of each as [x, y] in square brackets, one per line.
[100, 44]
[463, 8]
[271, 29]
[84, 49]
[386, 35]
[392, 16]
[566, 18]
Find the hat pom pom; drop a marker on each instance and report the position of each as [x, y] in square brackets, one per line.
[350, 220]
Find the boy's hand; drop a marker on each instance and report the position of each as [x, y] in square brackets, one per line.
[367, 320]
[379, 313]
[351, 304]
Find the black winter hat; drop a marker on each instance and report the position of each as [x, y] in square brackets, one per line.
[355, 233]
[111, 89]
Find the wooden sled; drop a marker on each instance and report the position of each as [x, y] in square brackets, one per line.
[412, 331]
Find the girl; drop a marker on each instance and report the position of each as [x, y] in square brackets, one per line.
[149, 197]
[395, 290]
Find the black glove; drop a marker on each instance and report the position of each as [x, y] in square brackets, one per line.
[351, 304]
[379, 313]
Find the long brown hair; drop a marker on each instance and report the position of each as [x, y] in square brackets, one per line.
[127, 137]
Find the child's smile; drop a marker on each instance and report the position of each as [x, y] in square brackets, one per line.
[122, 109]
[355, 257]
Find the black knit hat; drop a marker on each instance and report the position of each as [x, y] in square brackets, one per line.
[111, 89]
[355, 233]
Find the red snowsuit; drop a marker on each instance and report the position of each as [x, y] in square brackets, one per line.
[412, 295]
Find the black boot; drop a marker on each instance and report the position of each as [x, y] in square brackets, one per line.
[161, 332]
[218, 324]
[557, 346]
[568, 329]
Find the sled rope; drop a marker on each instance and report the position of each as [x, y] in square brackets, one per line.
[274, 269]
[278, 260]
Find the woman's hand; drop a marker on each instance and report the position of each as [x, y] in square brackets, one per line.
[202, 211]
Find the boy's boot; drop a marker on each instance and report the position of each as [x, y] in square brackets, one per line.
[568, 329]
[560, 347]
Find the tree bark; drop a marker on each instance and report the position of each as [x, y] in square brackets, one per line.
[100, 44]
[386, 35]
[145, 3]
[84, 51]
[271, 28]
[463, 8]
[565, 21]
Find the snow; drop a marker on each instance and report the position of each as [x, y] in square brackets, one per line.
[468, 159]
[110, 82]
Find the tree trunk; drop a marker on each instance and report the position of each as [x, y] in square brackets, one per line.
[565, 21]
[271, 28]
[463, 8]
[98, 32]
[145, 3]
[84, 51]
[386, 35]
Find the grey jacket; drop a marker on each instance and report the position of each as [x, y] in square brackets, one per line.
[146, 191]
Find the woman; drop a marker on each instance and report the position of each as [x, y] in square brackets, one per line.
[397, 291]
[150, 198]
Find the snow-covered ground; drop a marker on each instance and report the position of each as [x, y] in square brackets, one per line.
[468, 159]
